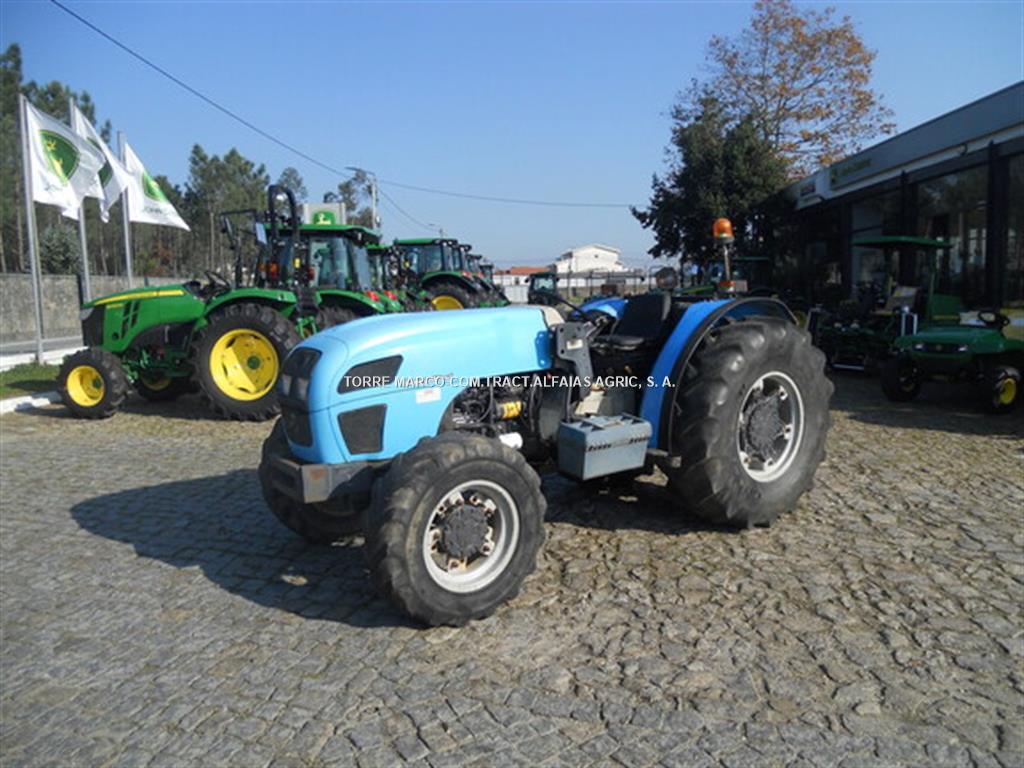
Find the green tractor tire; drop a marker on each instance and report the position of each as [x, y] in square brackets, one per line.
[237, 358]
[92, 383]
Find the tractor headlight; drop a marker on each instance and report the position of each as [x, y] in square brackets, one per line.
[962, 348]
[919, 346]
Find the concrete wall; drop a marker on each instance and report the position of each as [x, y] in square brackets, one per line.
[60, 303]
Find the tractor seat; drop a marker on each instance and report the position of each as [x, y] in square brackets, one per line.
[641, 324]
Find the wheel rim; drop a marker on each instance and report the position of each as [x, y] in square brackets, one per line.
[244, 364]
[770, 427]
[156, 385]
[85, 385]
[446, 302]
[1006, 391]
[471, 536]
[907, 378]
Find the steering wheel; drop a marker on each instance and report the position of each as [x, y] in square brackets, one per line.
[217, 280]
[993, 319]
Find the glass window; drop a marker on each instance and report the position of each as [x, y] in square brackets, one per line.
[1013, 287]
[329, 259]
[879, 215]
[952, 208]
[426, 258]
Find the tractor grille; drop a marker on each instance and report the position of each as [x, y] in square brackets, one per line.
[363, 429]
[296, 426]
[92, 328]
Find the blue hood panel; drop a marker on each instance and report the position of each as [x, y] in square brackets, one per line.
[443, 346]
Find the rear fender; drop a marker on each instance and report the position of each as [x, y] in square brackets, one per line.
[272, 297]
[693, 326]
[359, 303]
[457, 277]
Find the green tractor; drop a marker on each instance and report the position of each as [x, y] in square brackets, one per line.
[439, 264]
[398, 279]
[977, 350]
[483, 272]
[859, 333]
[543, 289]
[225, 337]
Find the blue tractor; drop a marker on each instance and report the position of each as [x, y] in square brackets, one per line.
[425, 431]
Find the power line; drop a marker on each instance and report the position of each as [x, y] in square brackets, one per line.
[285, 145]
[402, 211]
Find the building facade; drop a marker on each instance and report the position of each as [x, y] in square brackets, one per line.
[590, 258]
[958, 178]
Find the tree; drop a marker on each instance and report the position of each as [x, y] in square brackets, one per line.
[58, 250]
[803, 77]
[292, 179]
[354, 193]
[719, 168]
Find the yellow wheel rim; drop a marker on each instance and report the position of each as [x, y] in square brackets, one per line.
[1007, 391]
[158, 384]
[446, 302]
[244, 364]
[85, 386]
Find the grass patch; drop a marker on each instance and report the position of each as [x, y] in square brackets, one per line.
[28, 378]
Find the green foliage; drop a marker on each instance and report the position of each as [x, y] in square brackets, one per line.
[28, 378]
[291, 178]
[719, 168]
[59, 253]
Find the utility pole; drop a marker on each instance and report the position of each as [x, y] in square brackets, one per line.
[30, 225]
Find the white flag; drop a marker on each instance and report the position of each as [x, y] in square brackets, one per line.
[147, 203]
[65, 167]
[114, 178]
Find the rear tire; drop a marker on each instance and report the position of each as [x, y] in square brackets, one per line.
[450, 295]
[1002, 383]
[328, 317]
[454, 528]
[237, 359]
[92, 383]
[317, 523]
[749, 423]
[901, 380]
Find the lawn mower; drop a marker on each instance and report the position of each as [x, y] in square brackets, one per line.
[977, 350]
[226, 337]
[425, 432]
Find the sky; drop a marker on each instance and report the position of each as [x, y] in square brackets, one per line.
[544, 101]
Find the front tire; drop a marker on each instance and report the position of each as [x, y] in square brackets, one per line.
[901, 380]
[237, 359]
[92, 383]
[749, 423]
[1003, 388]
[454, 528]
[317, 523]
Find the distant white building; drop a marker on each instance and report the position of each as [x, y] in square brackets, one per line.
[590, 258]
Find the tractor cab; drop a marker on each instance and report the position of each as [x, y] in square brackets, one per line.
[440, 265]
[543, 289]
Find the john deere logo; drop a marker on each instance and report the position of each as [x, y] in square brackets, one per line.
[152, 189]
[324, 218]
[106, 171]
[60, 154]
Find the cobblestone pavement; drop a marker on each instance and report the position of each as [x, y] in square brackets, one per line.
[153, 614]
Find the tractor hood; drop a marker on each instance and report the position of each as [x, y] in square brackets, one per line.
[953, 337]
[402, 372]
[142, 292]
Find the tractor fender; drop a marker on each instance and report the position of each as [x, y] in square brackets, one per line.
[271, 297]
[391, 378]
[359, 303]
[693, 326]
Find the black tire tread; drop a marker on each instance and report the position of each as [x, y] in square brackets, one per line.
[114, 378]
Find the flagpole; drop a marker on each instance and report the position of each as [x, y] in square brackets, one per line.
[83, 243]
[121, 143]
[30, 225]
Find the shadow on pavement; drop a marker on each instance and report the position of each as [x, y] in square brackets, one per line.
[956, 407]
[185, 408]
[221, 525]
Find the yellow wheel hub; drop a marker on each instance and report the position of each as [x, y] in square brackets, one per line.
[1007, 392]
[157, 384]
[85, 385]
[244, 364]
[446, 302]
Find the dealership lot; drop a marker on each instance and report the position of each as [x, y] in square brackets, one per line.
[154, 613]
